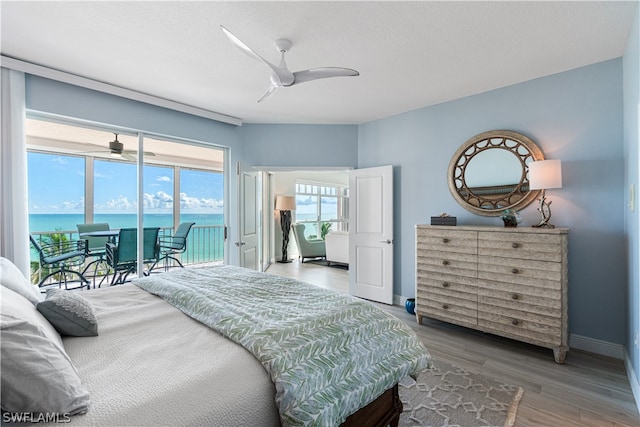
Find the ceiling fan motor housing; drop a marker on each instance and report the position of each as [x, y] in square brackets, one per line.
[116, 147]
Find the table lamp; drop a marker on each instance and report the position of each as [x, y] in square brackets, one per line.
[285, 204]
[544, 175]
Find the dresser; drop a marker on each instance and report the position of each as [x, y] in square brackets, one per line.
[510, 282]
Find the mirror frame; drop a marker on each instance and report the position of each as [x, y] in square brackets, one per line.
[508, 140]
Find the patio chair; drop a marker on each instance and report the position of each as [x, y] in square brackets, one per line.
[96, 248]
[57, 257]
[170, 246]
[122, 256]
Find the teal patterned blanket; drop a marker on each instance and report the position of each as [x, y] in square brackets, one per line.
[328, 354]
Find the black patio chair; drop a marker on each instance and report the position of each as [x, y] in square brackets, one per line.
[57, 256]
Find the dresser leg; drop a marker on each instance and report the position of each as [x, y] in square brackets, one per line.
[419, 318]
[559, 353]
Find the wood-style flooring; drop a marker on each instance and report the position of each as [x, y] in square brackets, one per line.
[588, 390]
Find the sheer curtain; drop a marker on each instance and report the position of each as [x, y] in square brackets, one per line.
[14, 217]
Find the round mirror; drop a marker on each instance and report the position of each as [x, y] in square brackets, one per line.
[489, 173]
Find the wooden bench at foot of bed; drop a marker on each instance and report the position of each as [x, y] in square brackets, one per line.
[382, 412]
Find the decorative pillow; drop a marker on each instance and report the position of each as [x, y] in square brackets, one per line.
[37, 375]
[12, 278]
[70, 313]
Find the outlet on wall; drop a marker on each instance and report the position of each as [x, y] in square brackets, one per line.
[635, 341]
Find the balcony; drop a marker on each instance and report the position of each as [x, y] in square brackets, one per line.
[205, 245]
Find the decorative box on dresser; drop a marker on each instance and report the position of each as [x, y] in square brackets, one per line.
[506, 281]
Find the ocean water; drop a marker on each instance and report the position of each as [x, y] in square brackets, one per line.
[67, 222]
[204, 245]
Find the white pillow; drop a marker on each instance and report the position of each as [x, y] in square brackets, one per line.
[37, 374]
[12, 278]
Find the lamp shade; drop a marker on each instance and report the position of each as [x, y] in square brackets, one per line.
[285, 203]
[545, 174]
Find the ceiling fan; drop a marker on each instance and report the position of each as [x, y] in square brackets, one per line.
[116, 148]
[280, 74]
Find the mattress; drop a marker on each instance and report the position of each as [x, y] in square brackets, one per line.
[151, 365]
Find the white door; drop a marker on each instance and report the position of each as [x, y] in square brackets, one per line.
[371, 233]
[249, 221]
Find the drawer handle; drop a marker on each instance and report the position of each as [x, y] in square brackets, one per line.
[445, 306]
[445, 240]
[515, 271]
[445, 262]
[515, 245]
[445, 285]
[515, 322]
[515, 296]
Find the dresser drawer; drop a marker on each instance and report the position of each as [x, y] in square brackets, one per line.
[517, 292]
[448, 285]
[448, 263]
[448, 309]
[531, 246]
[524, 326]
[548, 305]
[447, 240]
[533, 273]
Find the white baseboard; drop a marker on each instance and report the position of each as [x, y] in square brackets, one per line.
[603, 348]
[633, 379]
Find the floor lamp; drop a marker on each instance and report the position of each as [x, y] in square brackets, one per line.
[285, 204]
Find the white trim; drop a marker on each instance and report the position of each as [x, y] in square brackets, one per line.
[633, 379]
[596, 346]
[61, 76]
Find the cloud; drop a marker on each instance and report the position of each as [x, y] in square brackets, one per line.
[164, 178]
[197, 204]
[160, 200]
[61, 161]
[121, 204]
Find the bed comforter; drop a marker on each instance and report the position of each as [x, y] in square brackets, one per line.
[328, 354]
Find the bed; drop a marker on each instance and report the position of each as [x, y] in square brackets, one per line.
[196, 346]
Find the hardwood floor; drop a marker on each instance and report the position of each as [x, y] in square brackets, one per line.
[588, 390]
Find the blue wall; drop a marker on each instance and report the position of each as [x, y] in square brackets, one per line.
[574, 116]
[300, 145]
[631, 86]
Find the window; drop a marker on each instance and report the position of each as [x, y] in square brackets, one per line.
[56, 191]
[181, 182]
[324, 207]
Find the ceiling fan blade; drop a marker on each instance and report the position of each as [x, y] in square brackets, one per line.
[282, 76]
[128, 156]
[268, 93]
[133, 152]
[323, 73]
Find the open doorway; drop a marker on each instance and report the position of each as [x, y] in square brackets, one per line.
[321, 201]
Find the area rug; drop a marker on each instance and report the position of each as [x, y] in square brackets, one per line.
[450, 396]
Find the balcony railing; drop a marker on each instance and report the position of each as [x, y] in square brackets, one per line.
[205, 244]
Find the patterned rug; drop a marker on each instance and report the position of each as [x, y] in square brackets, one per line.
[450, 396]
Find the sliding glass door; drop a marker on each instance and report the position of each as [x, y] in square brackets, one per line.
[82, 175]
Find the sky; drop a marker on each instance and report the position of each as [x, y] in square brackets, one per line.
[56, 185]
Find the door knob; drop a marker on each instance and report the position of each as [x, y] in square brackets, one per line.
[388, 241]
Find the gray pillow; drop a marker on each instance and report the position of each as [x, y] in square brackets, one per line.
[37, 374]
[11, 277]
[70, 313]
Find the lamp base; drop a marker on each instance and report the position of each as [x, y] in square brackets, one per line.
[285, 261]
[545, 213]
[544, 225]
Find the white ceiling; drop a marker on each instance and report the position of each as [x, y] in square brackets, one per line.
[409, 54]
